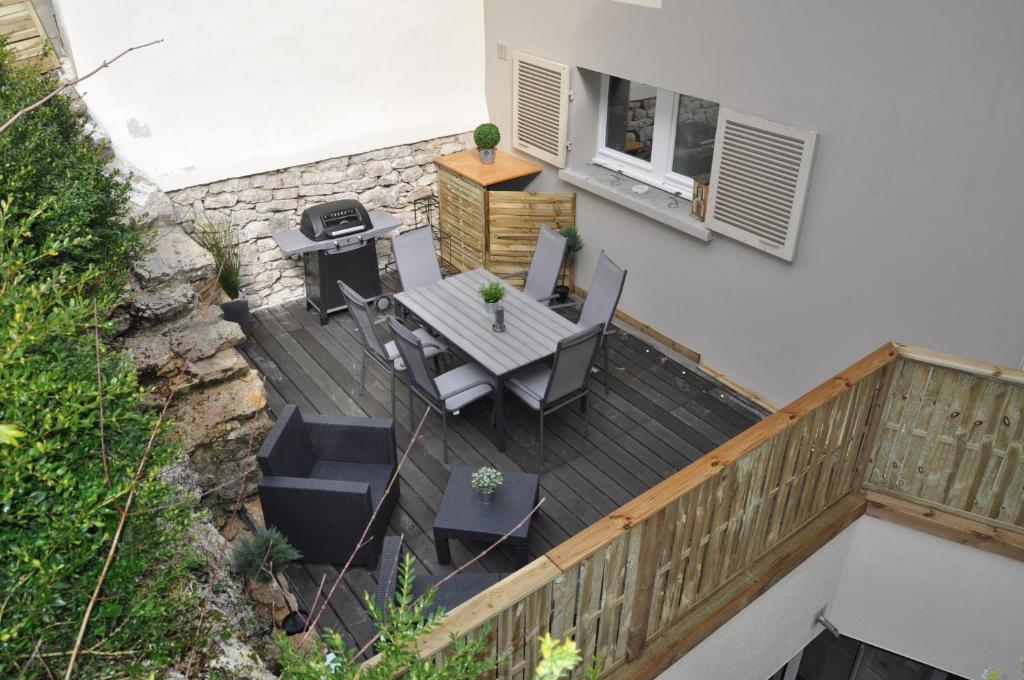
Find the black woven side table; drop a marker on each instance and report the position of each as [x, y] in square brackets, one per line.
[463, 515]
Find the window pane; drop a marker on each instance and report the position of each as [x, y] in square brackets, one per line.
[630, 126]
[695, 137]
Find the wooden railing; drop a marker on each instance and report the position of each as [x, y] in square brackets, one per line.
[939, 440]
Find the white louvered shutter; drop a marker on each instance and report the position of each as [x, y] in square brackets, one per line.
[759, 182]
[540, 107]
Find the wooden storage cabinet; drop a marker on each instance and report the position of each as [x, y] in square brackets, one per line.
[487, 220]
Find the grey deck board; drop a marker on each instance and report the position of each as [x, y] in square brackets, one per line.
[658, 416]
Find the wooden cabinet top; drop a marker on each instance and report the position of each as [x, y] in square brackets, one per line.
[505, 167]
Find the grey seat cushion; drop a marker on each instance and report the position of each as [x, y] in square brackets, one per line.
[377, 476]
[530, 384]
[431, 348]
[464, 375]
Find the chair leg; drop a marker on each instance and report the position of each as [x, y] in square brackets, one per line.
[437, 363]
[586, 415]
[606, 367]
[444, 433]
[362, 375]
[393, 412]
[412, 413]
[542, 441]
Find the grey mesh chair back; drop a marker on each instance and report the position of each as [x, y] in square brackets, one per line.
[411, 350]
[546, 264]
[603, 296]
[359, 308]
[570, 369]
[416, 258]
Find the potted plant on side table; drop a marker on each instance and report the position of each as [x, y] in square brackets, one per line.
[486, 137]
[220, 239]
[486, 481]
[574, 244]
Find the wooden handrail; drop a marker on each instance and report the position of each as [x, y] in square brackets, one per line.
[994, 371]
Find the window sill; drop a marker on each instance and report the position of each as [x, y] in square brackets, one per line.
[654, 204]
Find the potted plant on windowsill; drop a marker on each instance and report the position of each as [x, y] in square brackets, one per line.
[486, 481]
[220, 239]
[486, 137]
[573, 245]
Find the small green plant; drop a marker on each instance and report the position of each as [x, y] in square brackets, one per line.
[221, 240]
[486, 136]
[492, 292]
[487, 479]
[574, 242]
[559, 658]
[262, 555]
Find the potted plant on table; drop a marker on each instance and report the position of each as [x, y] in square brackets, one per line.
[220, 239]
[492, 294]
[486, 480]
[574, 244]
[486, 137]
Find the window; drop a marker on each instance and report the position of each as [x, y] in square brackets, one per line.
[656, 136]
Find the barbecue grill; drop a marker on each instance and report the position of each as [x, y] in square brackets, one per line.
[337, 242]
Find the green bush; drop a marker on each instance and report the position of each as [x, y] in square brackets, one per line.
[221, 240]
[486, 136]
[263, 554]
[65, 250]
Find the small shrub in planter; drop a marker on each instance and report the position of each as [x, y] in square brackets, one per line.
[492, 292]
[486, 136]
[486, 481]
[220, 239]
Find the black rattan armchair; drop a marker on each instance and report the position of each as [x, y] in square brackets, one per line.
[322, 478]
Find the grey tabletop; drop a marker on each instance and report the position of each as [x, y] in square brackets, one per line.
[463, 512]
[454, 309]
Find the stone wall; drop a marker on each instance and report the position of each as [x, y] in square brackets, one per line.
[259, 205]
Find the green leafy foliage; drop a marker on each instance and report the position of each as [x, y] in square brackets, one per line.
[492, 292]
[404, 621]
[263, 554]
[486, 136]
[221, 240]
[65, 251]
[487, 479]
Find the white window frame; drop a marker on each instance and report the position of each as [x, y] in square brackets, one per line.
[658, 172]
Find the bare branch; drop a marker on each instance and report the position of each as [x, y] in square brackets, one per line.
[99, 391]
[72, 83]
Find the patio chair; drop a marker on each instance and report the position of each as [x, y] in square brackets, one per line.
[602, 300]
[546, 389]
[384, 354]
[450, 594]
[322, 478]
[446, 393]
[416, 258]
[545, 267]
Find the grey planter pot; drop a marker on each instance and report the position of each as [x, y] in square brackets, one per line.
[485, 498]
[486, 156]
[238, 311]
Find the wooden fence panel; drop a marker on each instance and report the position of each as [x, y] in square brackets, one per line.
[951, 436]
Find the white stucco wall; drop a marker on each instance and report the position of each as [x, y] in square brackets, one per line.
[245, 86]
[912, 230]
[947, 605]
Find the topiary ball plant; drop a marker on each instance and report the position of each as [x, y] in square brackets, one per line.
[486, 137]
[262, 555]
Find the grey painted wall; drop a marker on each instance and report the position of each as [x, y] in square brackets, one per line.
[913, 227]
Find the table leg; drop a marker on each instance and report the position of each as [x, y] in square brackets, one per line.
[444, 554]
[499, 411]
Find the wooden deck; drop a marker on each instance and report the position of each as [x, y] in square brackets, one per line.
[659, 415]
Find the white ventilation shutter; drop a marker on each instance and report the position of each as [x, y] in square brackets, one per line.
[540, 107]
[759, 182]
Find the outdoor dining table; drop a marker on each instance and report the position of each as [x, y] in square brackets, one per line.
[453, 307]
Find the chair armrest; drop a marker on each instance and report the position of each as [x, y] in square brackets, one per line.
[353, 440]
[513, 275]
[470, 386]
[302, 487]
[574, 303]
